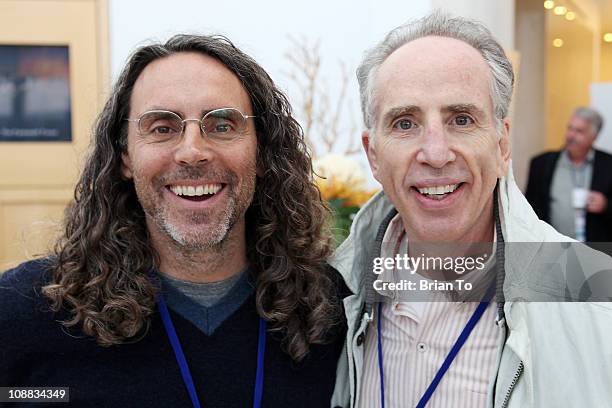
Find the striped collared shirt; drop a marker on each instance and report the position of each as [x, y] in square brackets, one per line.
[416, 338]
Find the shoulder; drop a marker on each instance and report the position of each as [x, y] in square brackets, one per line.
[26, 321]
[544, 157]
[20, 289]
[601, 155]
[340, 288]
[337, 330]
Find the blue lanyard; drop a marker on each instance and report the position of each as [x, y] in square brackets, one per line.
[182, 362]
[465, 333]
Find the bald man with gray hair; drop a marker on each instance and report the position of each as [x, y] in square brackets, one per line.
[435, 96]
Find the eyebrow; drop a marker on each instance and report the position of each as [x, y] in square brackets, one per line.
[180, 113]
[400, 111]
[413, 109]
[464, 107]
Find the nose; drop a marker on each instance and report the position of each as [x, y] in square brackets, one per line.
[435, 150]
[193, 147]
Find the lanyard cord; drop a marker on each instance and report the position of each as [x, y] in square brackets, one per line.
[465, 333]
[178, 352]
[182, 362]
[580, 170]
[261, 351]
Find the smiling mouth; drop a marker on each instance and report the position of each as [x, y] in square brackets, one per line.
[438, 192]
[196, 193]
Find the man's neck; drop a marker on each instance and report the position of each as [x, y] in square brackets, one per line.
[203, 265]
[577, 158]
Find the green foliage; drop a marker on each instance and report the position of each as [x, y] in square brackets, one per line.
[343, 218]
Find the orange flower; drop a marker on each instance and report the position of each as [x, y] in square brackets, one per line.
[342, 178]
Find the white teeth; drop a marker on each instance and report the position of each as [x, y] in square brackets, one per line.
[438, 190]
[196, 191]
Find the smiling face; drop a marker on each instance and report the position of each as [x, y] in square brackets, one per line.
[435, 149]
[194, 191]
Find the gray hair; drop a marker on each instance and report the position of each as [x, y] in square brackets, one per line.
[592, 116]
[439, 24]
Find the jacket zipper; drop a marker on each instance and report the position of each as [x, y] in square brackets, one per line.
[354, 404]
[512, 384]
[368, 319]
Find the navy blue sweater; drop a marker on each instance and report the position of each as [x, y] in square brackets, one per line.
[36, 350]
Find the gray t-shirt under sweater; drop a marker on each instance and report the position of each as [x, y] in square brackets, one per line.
[207, 305]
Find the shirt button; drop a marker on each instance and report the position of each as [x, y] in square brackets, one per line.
[360, 339]
[422, 347]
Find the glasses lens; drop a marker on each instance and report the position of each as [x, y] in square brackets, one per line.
[224, 124]
[160, 124]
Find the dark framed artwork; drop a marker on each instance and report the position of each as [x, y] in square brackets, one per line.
[34, 93]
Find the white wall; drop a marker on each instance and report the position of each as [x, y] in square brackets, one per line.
[601, 99]
[497, 15]
[529, 124]
[344, 27]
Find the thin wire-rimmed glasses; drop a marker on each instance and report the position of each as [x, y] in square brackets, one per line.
[220, 125]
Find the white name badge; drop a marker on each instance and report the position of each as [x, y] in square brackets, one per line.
[579, 197]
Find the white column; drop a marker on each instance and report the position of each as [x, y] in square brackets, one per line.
[497, 15]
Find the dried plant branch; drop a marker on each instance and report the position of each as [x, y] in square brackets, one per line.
[320, 113]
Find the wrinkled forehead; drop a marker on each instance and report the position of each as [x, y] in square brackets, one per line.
[433, 71]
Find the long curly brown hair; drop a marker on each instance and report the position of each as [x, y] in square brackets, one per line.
[101, 265]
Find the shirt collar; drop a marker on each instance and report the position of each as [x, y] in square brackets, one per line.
[589, 157]
[395, 241]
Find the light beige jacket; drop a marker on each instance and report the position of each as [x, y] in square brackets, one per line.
[552, 354]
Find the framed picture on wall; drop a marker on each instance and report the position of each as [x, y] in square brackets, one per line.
[34, 94]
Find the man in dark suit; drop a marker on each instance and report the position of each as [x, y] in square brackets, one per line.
[572, 188]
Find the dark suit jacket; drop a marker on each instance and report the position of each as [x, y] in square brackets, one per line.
[541, 170]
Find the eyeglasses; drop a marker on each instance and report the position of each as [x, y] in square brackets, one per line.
[220, 125]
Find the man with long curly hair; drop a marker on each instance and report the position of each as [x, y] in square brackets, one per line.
[192, 266]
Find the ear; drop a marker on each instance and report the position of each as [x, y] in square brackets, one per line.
[505, 149]
[370, 150]
[126, 166]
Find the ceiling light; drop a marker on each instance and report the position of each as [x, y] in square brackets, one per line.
[570, 16]
[548, 4]
[560, 10]
[607, 37]
[558, 43]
